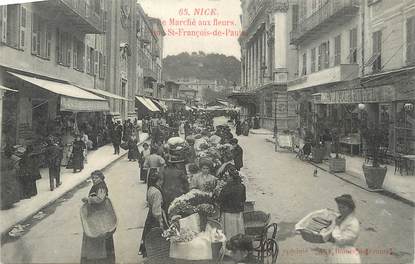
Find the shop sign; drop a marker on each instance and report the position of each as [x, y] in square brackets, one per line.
[360, 95]
[75, 104]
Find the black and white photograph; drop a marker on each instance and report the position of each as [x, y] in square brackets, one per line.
[207, 131]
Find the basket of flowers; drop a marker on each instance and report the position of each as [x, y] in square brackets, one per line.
[195, 201]
[317, 226]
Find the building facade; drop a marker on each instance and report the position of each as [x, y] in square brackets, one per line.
[74, 58]
[355, 69]
[266, 58]
[150, 35]
[47, 48]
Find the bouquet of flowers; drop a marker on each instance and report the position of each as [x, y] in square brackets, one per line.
[218, 188]
[209, 186]
[186, 204]
[205, 209]
[184, 235]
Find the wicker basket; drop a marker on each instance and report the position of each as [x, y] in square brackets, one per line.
[255, 222]
[311, 237]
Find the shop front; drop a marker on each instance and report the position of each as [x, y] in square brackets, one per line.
[44, 107]
[145, 107]
[248, 103]
[383, 100]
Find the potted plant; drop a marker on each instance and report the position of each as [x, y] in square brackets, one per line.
[338, 163]
[374, 137]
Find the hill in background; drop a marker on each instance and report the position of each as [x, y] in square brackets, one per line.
[225, 69]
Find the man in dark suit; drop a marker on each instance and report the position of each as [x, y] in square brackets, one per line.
[237, 154]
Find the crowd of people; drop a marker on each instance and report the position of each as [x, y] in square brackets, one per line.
[212, 157]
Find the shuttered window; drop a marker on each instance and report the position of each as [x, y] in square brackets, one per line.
[304, 68]
[22, 27]
[353, 46]
[78, 54]
[313, 60]
[10, 25]
[295, 17]
[377, 51]
[410, 40]
[323, 56]
[41, 37]
[63, 48]
[337, 50]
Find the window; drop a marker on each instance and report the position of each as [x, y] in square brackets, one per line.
[22, 26]
[13, 25]
[323, 56]
[410, 40]
[337, 50]
[313, 60]
[377, 50]
[304, 68]
[102, 65]
[303, 9]
[295, 17]
[78, 54]
[97, 6]
[353, 46]
[63, 48]
[41, 37]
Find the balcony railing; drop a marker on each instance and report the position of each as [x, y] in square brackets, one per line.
[150, 74]
[332, 10]
[87, 18]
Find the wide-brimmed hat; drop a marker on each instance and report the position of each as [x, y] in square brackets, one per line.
[346, 199]
[205, 162]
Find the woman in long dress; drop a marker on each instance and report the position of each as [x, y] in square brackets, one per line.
[132, 149]
[155, 215]
[29, 173]
[78, 154]
[9, 186]
[345, 232]
[101, 249]
[232, 200]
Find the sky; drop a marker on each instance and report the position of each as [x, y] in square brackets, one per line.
[216, 29]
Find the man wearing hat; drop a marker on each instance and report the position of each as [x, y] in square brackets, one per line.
[345, 232]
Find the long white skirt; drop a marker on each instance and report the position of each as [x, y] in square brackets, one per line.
[345, 255]
[233, 224]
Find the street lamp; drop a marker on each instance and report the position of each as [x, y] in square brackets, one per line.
[408, 107]
[361, 107]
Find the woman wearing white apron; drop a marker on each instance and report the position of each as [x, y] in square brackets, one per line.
[345, 232]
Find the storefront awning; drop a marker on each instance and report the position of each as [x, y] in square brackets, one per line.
[159, 104]
[105, 93]
[72, 98]
[7, 89]
[147, 103]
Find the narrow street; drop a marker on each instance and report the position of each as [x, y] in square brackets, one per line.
[278, 182]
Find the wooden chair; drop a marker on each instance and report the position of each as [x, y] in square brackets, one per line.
[270, 251]
[157, 247]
